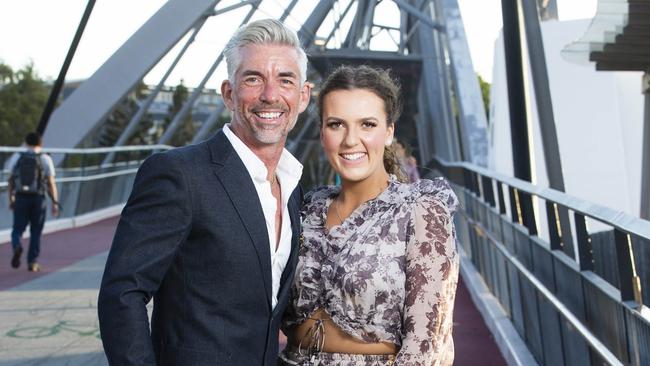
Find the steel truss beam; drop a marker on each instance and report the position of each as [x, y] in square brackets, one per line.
[472, 116]
[558, 218]
[137, 117]
[436, 121]
[96, 97]
[439, 128]
[645, 168]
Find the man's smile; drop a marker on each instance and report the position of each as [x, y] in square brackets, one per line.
[268, 115]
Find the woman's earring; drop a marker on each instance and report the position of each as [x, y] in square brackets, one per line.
[389, 141]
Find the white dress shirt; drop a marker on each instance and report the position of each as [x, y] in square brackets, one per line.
[288, 173]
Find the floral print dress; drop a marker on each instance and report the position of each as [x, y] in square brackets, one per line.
[388, 273]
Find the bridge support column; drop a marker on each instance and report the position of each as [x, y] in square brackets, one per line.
[517, 107]
[472, 117]
[558, 217]
[58, 84]
[645, 157]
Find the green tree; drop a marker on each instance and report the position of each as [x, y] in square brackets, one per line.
[186, 130]
[6, 74]
[485, 93]
[23, 95]
[117, 121]
[179, 97]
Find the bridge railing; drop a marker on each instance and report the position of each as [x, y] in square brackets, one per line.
[582, 309]
[84, 185]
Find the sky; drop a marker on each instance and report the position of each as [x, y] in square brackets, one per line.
[40, 31]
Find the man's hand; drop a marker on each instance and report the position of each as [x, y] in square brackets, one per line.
[12, 201]
[55, 209]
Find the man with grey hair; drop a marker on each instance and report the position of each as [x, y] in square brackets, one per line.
[211, 231]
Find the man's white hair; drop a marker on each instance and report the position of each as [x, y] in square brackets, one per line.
[260, 32]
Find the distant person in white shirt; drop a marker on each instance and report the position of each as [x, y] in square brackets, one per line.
[32, 176]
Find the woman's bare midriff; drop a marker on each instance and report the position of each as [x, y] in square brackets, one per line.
[336, 340]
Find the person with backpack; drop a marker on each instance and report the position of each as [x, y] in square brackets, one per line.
[32, 176]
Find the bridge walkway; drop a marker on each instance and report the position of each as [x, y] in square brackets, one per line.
[50, 318]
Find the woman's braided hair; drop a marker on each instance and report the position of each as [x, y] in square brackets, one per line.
[381, 83]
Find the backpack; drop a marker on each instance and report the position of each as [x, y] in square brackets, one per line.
[27, 174]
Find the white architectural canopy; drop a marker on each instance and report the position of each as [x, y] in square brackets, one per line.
[618, 37]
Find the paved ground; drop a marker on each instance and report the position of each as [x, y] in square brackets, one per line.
[50, 318]
[58, 250]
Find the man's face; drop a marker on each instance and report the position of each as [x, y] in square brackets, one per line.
[266, 96]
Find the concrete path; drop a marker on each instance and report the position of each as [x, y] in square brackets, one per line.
[58, 250]
[50, 318]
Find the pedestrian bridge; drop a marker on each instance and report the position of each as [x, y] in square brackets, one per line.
[547, 278]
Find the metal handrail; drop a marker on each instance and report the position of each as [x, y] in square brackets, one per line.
[100, 150]
[94, 150]
[87, 178]
[616, 219]
[593, 341]
[481, 183]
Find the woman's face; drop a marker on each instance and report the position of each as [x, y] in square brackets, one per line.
[354, 134]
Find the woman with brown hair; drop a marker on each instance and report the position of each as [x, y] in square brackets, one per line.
[377, 271]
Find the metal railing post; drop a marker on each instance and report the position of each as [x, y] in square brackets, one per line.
[488, 190]
[515, 212]
[585, 248]
[502, 200]
[629, 282]
[553, 226]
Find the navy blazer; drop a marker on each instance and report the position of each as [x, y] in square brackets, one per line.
[193, 237]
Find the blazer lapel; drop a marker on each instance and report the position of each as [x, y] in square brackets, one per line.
[234, 177]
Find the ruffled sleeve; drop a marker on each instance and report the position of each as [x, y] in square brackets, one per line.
[432, 266]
